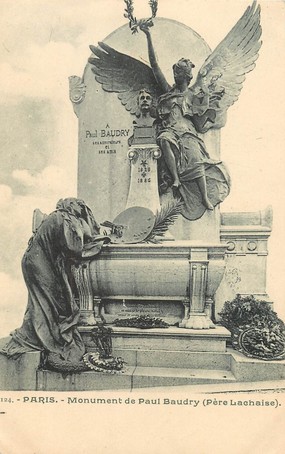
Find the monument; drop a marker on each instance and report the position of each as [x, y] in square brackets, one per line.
[174, 156]
[148, 162]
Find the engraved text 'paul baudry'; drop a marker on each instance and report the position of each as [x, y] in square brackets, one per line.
[109, 134]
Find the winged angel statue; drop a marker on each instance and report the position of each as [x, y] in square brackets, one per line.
[185, 113]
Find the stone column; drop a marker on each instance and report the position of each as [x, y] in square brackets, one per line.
[81, 273]
[143, 189]
[198, 275]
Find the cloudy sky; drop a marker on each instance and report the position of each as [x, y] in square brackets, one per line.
[43, 43]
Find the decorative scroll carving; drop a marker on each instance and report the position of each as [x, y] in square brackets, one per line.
[144, 154]
[77, 89]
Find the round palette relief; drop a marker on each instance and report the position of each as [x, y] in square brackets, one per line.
[133, 225]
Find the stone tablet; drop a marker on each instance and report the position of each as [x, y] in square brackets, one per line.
[105, 126]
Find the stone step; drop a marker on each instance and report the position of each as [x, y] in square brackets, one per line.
[175, 359]
[251, 369]
[148, 377]
[144, 368]
[272, 386]
[48, 380]
[132, 378]
[172, 338]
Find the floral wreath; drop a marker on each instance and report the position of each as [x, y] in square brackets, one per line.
[134, 23]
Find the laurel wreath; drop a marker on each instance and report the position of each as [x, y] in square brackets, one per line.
[111, 365]
[142, 322]
[256, 330]
[133, 22]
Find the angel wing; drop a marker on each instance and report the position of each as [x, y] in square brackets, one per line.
[223, 72]
[122, 74]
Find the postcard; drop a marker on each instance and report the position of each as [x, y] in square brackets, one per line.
[96, 106]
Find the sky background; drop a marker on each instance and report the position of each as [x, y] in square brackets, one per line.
[43, 43]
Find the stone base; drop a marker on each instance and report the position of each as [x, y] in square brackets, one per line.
[84, 381]
[175, 281]
[198, 321]
[21, 373]
[173, 339]
[154, 368]
[250, 369]
[174, 364]
[87, 318]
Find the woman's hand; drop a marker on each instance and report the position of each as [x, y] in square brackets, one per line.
[144, 26]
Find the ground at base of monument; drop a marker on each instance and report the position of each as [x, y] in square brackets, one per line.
[175, 370]
[260, 387]
[197, 371]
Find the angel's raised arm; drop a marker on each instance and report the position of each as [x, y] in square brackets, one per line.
[158, 74]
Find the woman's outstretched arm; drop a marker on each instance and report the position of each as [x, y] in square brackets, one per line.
[158, 74]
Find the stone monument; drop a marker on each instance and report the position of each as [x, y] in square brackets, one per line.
[147, 143]
[148, 160]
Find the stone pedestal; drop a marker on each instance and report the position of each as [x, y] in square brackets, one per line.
[143, 189]
[246, 237]
[173, 281]
[180, 283]
[19, 374]
[198, 275]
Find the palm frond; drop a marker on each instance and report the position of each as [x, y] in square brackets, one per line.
[166, 217]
